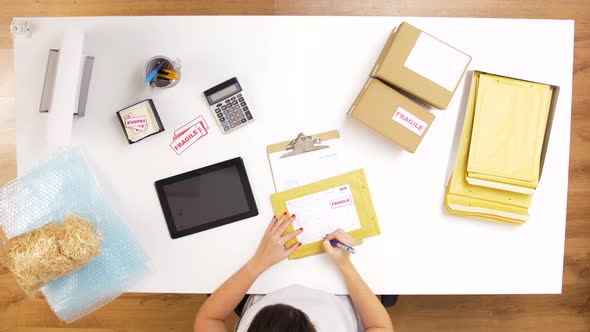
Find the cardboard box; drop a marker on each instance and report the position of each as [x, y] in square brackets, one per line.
[421, 65]
[395, 116]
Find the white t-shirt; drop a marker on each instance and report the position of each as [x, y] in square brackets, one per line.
[326, 311]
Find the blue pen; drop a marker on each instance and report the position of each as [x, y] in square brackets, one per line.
[154, 72]
[341, 245]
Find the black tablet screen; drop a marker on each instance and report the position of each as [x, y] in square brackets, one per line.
[206, 198]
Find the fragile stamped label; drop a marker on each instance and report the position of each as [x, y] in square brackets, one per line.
[188, 138]
[410, 121]
[188, 125]
[340, 202]
[137, 124]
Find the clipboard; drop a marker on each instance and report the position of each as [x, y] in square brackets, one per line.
[306, 159]
[360, 196]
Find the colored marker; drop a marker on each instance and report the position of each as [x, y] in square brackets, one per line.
[154, 72]
[343, 246]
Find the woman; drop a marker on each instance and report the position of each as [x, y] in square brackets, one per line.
[294, 308]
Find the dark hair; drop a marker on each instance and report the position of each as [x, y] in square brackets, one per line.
[281, 318]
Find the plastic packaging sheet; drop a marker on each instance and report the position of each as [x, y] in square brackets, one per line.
[62, 185]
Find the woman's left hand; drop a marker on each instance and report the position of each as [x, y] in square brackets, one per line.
[272, 246]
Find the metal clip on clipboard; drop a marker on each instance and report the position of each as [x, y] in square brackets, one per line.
[326, 159]
[303, 144]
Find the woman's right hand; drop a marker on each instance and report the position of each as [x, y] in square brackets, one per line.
[339, 256]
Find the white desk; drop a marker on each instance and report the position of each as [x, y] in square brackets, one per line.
[302, 74]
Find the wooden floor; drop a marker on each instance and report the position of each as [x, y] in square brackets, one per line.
[162, 312]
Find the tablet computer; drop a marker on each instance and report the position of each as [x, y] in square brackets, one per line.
[207, 197]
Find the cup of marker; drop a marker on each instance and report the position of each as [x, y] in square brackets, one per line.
[162, 72]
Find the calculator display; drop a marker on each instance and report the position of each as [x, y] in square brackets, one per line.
[222, 94]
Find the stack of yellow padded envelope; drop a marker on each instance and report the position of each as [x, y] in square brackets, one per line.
[499, 158]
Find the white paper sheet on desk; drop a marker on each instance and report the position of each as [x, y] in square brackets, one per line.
[324, 212]
[305, 168]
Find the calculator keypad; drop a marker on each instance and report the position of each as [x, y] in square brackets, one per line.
[233, 112]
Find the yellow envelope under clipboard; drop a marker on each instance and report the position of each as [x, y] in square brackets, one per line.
[317, 185]
[357, 198]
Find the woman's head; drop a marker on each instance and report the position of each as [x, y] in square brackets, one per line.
[281, 318]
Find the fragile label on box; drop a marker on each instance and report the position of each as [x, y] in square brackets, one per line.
[410, 121]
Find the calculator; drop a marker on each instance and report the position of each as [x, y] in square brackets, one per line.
[228, 103]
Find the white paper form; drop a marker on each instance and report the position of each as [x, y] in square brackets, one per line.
[324, 212]
[308, 167]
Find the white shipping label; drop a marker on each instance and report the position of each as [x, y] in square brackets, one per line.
[410, 121]
[437, 61]
[324, 212]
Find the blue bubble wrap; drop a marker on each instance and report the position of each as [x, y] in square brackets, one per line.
[62, 185]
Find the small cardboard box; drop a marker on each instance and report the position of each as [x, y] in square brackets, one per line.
[421, 65]
[395, 116]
